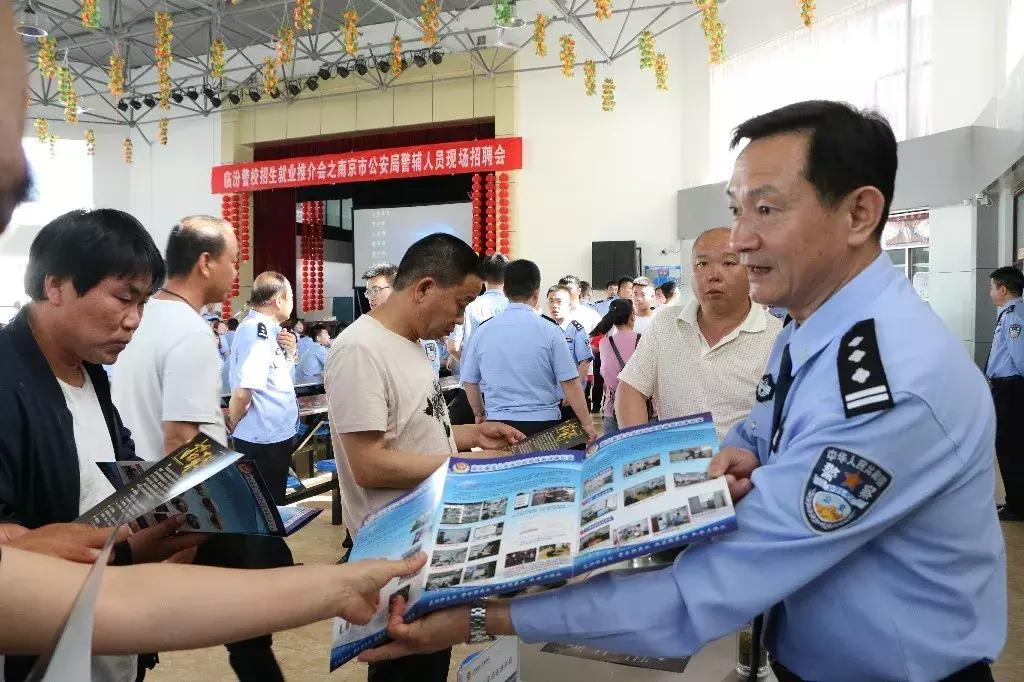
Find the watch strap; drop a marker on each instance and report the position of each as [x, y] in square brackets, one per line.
[478, 623]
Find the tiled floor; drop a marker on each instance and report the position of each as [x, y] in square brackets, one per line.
[303, 652]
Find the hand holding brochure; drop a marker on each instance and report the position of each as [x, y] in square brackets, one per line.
[491, 526]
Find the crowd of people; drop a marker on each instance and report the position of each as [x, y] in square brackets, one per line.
[861, 394]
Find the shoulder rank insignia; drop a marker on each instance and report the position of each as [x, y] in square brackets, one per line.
[261, 330]
[579, 327]
[841, 488]
[861, 374]
[765, 390]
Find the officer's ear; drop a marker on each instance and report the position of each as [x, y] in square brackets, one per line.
[863, 209]
[422, 288]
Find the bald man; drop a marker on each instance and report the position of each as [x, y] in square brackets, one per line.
[707, 355]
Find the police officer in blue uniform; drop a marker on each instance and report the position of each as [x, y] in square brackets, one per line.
[576, 338]
[1005, 372]
[522, 362]
[863, 476]
[313, 359]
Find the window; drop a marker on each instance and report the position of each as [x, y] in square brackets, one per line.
[1018, 225]
[906, 239]
[865, 55]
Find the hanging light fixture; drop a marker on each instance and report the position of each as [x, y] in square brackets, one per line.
[294, 89]
[312, 83]
[361, 67]
[177, 96]
[324, 73]
[436, 57]
[342, 70]
[27, 23]
[215, 101]
[254, 94]
[419, 60]
[234, 98]
[149, 101]
[192, 94]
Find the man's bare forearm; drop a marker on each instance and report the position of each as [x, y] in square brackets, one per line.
[476, 399]
[241, 399]
[630, 406]
[573, 390]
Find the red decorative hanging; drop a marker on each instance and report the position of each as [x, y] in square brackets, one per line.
[504, 210]
[476, 196]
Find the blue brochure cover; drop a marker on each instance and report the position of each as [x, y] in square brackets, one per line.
[492, 526]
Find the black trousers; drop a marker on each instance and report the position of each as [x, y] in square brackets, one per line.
[421, 667]
[1008, 395]
[977, 672]
[459, 409]
[530, 428]
[597, 388]
[253, 659]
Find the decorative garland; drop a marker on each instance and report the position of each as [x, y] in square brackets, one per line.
[52, 139]
[475, 195]
[608, 94]
[48, 57]
[503, 211]
[540, 28]
[217, 48]
[127, 147]
[807, 12]
[396, 56]
[567, 54]
[661, 71]
[602, 9]
[90, 14]
[646, 46]
[590, 77]
[66, 86]
[714, 29]
[90, 142]
[270, 79]
[504, 12]
[42, 128]
[115, 75]
[164, 57]
[430, 16]
[284, 46]
[490, 233]
[163, 131]
[303, 15]
[350, 32]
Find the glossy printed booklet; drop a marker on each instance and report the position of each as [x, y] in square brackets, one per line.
[493, 526]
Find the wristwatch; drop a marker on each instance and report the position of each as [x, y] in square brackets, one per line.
[478, 623]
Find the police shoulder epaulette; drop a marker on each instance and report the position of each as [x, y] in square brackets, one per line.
[261, 330]
[862, 378]
[1010, 309]
[579, 327]
[549, 319]
[483, 322]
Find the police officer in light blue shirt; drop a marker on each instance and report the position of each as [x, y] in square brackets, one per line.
[576, 338]
[313, 360]
[490, 303]
[863, 475]
[522, 361]
[1005, 372]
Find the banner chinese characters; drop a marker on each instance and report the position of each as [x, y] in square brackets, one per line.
[471, 156]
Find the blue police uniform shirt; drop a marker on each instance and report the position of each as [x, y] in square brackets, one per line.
[259, 364]
[871, 528]
[1007, 356]
[485, 306]
[311, 364]
[602, 306]
[521, 360]
[304, 344]
[436, 353]
[577, 341]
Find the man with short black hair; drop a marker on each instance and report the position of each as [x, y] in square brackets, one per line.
[312, 362]
[1005, 372]
[389, 419]
[626, 287]
[611, 290]
[583, 314]
[89, 275]
[643, 304]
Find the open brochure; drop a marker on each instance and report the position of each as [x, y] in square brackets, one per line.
[216, 490]
[492, 526]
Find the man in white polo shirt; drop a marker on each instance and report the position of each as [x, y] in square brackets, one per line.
[707, 355]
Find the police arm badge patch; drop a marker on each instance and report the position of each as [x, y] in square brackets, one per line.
[861, 374]
[1014, 331]
[841, 488]
[765, 390]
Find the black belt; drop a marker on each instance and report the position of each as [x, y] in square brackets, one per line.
[1006, 380]
[976, 672]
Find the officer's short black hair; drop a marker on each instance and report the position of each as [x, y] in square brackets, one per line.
[315, 330]
[668, 289]
[848, 148]
[584, 288]
[88, 247]
[444, 258]
[266, 286]
[611, 283]
[570, 281]
[625, 280]
[190, 239]
[494, 268]
[1009, 277]
[382, 270]
[522, 279]
[232, 324]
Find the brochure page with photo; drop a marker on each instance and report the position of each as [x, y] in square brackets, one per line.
[493, 526]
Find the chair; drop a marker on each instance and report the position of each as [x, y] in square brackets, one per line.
[322, 467]
[323, 432]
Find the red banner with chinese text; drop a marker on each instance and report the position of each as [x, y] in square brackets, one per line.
[449, 158]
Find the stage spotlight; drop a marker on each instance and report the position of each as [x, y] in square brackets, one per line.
[294, 89]
[208, 91]
[275, 93]
[312, 83]
[192, 94]
[361, 67]
[384, 65]
[136, 104]
[254, 94]
[342, 70]
[122, 105]
[215, 101]
[436, 57]
[324, 73]
[419, 60]
[149, 101]
[176, 96]
[234, 98]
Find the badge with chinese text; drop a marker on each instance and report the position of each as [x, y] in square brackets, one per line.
[841, 489]
[1014, 331]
